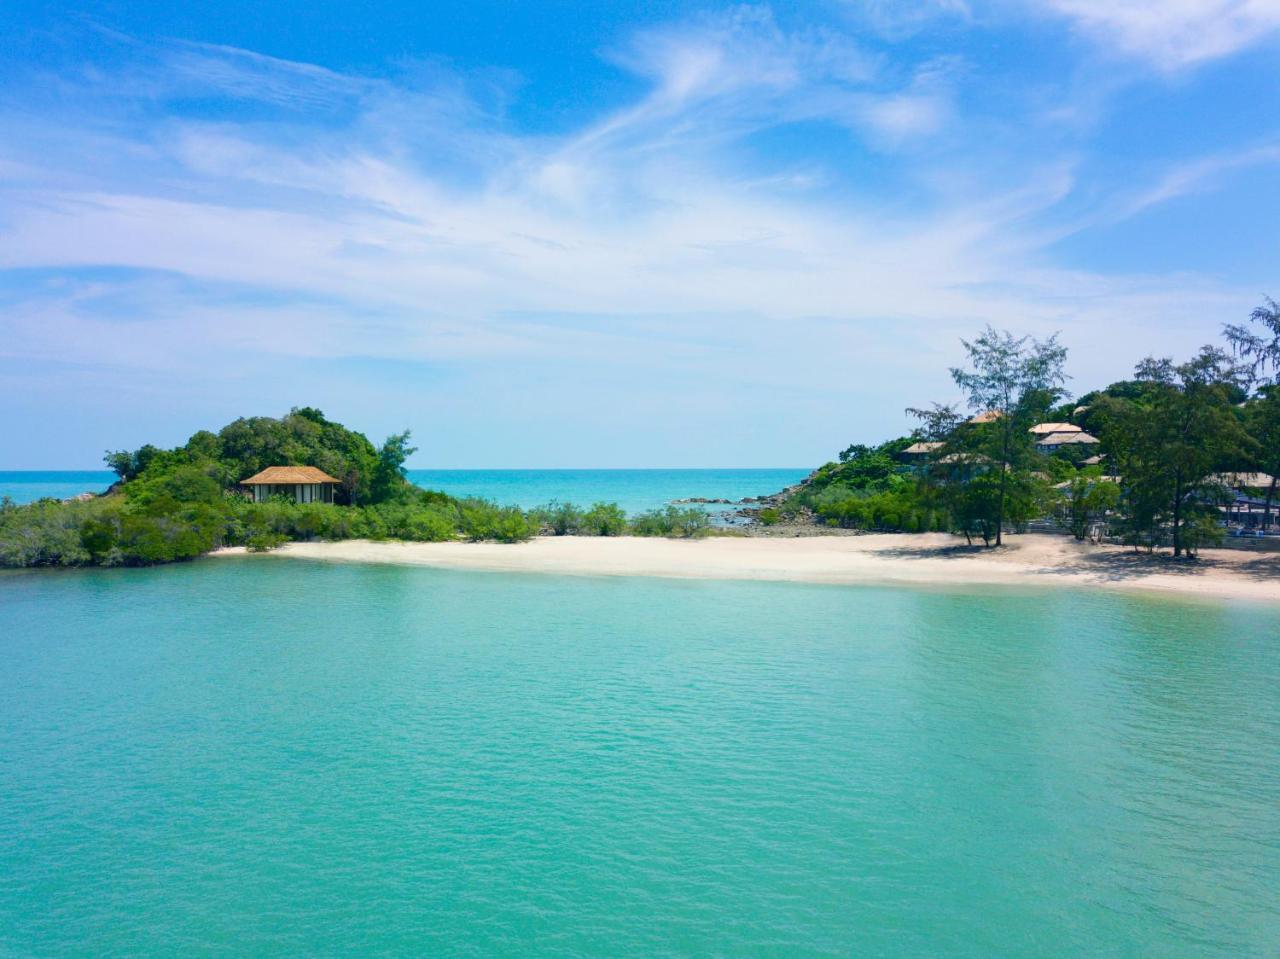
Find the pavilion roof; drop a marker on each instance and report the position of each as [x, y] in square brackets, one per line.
[1066, 439]
[1044, 429]
[283, 475]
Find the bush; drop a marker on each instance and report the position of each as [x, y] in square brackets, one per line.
[604, 519]
[263, 542]
[45, 533]
[563, 519]
[481, 520]
[770, 516]
[670, 521]
[154, 526]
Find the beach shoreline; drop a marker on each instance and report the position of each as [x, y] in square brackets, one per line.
[935, 559]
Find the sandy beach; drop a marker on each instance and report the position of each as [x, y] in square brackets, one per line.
[932, 559]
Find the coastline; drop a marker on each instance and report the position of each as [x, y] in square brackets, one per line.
[934, 559]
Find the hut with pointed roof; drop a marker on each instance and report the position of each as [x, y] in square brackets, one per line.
[302, 484]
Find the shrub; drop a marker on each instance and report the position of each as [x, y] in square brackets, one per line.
[670, 521]
[604, 519]
[263, 542]
[481, 520]
[563, 519]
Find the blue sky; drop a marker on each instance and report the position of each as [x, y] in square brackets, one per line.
[624, 234]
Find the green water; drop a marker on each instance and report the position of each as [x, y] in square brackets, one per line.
[269, 757]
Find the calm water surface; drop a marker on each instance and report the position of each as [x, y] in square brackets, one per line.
[633, 490]
[27, 486]
[268, 757]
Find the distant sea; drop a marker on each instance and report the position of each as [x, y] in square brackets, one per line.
[634, 490]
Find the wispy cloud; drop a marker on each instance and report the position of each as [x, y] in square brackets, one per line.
[1198, 175]
[405, 220]
[1173, 34]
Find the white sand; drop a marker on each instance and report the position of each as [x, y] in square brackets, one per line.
[934, 559]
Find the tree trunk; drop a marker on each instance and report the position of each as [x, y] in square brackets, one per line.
[1266, 513]
[1004, 479]
[1177, 517]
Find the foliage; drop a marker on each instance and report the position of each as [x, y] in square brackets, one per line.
[563, 519]
[671, 521]
[1260, 350]
[1016, 380]
[181, 503]
[1183, 427]
[604, 519]
[1089, 499]
[388, 475]
[481, 520]
[303, 437]
[1262, 422]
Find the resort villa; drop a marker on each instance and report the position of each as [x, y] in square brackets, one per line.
[302, 484]
[1048, 437]
[917, 455]
[1052, 437]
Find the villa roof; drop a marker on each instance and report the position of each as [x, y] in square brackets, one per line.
[283, 475]
[1044, 429]
[1066, 439]
[1096, 479]
[1092, 460]
[921, 448]
[1243, 480]
[990, 416]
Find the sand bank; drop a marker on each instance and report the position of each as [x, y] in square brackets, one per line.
[934, 559]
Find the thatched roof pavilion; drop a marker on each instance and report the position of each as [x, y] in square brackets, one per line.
[303, 484]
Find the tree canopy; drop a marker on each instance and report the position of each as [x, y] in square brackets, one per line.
[302, 437]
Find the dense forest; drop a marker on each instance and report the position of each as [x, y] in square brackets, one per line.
[177, 504]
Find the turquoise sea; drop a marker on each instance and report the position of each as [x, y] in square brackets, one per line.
[267, 757]
[633, 490]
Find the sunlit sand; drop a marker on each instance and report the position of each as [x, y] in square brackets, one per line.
[933, 559]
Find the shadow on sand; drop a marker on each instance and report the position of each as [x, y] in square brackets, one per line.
[1114, 565]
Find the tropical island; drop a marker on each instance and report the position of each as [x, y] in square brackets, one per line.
[1161, 466]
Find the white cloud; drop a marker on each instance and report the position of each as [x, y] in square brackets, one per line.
[1173, 33]
[1198, 175]
[897, 19]
[640, 244]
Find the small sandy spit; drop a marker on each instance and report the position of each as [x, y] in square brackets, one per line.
[921, 560]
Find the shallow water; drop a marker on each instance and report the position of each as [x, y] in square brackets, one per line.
[267, 757]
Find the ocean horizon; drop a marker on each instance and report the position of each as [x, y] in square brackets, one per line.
[634, 490]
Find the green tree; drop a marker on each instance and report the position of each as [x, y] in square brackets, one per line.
[604, 519]
[128, 465]
[1089, 498]
[1013, 380]
[564, 519]
[388, 475]
[1167, 443]
[1262, 420]
[1261, 350]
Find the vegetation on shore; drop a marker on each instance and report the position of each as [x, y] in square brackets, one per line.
[177, 504]
[1163, 439]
